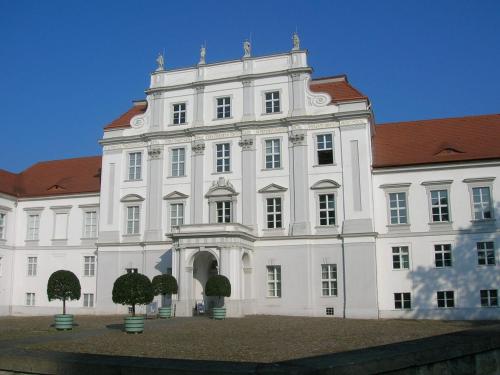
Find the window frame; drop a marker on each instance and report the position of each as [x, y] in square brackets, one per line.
[265, 100]
[216, 100]
[489, 298]
[135, 176]
[400, 298]
[223, 202]
[229, 158]
[91, 265]
[171, 161]
[397, 188]
[274, 213]
[442, 253]
[35, 235]
[86, 209]
[446, 299]
[276, 281]
[316, 149]
[30, 299]
[319, 209]
[179, 112]
[264, 153]
[431, 186]
[32, 266]
[86, 299]
[332, 287]
[400, 256]
[127, 220]
[486, 251]
[170, 217]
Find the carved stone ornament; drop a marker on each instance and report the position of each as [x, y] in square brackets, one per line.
[161, 62]
[198, 148]
[221, 187]
[137, 122]
[154, 153]
[246, 144]
[296, 42]
[297, 139]
[203, 53]
[247, 49]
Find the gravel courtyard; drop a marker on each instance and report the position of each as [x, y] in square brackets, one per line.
[253, 338]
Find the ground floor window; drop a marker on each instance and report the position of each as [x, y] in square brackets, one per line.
[489, 298]
[274, 281]
[446, 299]
[402, 301]
[88, 300]
[329, 279]
[30, 299]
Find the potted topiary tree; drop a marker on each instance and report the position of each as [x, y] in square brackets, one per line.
[63, 285]
[164, 284]
[133, 289]
[218, 286]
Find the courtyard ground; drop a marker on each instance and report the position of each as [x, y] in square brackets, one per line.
[253, 338]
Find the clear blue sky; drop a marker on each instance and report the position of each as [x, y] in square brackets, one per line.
[69, 67]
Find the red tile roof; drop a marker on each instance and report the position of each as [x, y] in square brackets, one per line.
[57, 177]
[124, 120]
[437, 141]
[338, 88]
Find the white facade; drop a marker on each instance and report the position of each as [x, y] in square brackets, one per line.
[285, 204]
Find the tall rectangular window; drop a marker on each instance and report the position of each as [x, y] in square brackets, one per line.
[272, 102]
[400, 257]
[133, 220]
[223, 157]
[397, 207]
[2, 225]
[326, 209]
[402, 301]
[442, 255]
[88, 300]
[324, 148]
[223, 209]
[273, 213]
[90, 229]
[33, 227]
[439, 206]
[329, 279]
[32, 266]
[482, 203]
[274, 281]
[273, 153]
[89, 266]
[178, 162]
[224, 107]
[176, 214]
[489, 298]
[485, 253]
[179, 113]
[446, 299]
[30, 299]
[134, 165]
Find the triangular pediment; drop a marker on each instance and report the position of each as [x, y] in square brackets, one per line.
[325, 184]
[272, 188]
[175, 195]
[132, 198]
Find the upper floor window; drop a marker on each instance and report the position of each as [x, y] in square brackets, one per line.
[32, 266]
[397, 208]
[273, 213]
[134, 165]
[178, 162]
[274, 281]
[446, 299]
[400, 257]
[273, 153]
[89, 265]
[485, 253]
[223, 157]
[481, 199]
[329, 280]
[176, 214]
[442, 255]
[90, 226]
[223, 211]
[489, 298]
[324, 148]
[224, 107]
[33, 227]
[326, 209]
[179, 113]
[440, 206]
[133, 219]
[402, 301]
[272, 102]
[2, 225]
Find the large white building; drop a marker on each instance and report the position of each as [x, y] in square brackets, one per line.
[283, 183]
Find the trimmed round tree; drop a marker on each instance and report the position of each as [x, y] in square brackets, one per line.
[133, 289]
[218, 286]
[63, 285]
[164, 284]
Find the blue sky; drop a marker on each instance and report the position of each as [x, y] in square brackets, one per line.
[69, 67]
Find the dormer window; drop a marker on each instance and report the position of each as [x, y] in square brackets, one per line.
[224, 107]
[179, 111]
[272, 102]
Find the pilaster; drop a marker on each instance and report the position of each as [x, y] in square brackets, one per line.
[154, 201]
[197, 199]
[248, 101]
[248, 183]
[299, 192]
[198, 105]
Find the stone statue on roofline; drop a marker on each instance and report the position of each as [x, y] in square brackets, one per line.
[296, 42]
[161, 62]
[203, 53]
[247, 48]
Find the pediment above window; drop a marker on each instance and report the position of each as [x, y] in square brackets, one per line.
[325, 184]
[272, 188]
[132, 198]
[175, 195]
[221, 188]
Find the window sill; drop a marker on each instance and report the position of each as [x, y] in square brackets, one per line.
[88, 238]
[396, 228]
[228, 172]
[271, 297]
[271, 113]
[326, 229]
[183, 176]
[222, 118]
[175, 125]
[437, 226]
[138, 180]
[131, 235]
[329, 296]
[271, 232]
[484, 222]
[325, 165]
[33, 242]
[272, 169]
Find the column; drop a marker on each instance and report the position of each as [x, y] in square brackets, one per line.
[248, 101]
[299, 189]
[231, 267]
[248, 181]
[154, 202]
[198, 105]
[197, 194]
[298, 94]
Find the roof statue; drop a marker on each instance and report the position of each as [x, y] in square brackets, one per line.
[247, 48]
[161, 62]
[203, 53]
[296, 41]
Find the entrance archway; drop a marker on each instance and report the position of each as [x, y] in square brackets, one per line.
[204, 266]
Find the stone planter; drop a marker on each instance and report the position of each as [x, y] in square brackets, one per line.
[134, 324]
[63, 322]
[165, 312]
[219, 313]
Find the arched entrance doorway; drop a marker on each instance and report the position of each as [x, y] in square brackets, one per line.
[204, 266]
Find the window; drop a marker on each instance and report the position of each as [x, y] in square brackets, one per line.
[329, 279]
[326, 209]
[2, 225]
[439, 205]
[176, 214]
[179, 114]
[274, 281]
[485, 253]
[489, 298]
[131, 270]
[133, 220]
[88, 300]
[397, 208]
[482, 203]
[134, 165]
[32, 264]
[178, 162]
[223, 211]
[33, 227]
[30, 299]
[324, 148]
[90, 228]
[273, 153]
[273, 209]
[446, 299]
[442, 255]
[400, 257]
[89, 266]
[224, 107]
[223, 157]
[402, 301]
[272, 102]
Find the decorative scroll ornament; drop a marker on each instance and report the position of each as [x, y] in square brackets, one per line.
[297, 139]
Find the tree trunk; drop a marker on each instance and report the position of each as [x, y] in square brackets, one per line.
[133, 310]
[64, 305]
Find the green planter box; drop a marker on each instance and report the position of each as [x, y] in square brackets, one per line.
[63, 322]
[219, 313]
[134, 324]
[165, 312]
